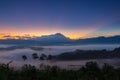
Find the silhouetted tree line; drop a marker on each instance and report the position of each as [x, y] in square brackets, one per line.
[79, 55]
[91, 71]
[41, 57]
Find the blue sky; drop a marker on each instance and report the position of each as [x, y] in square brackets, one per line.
[73, 18]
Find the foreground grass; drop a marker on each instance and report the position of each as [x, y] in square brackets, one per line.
[90, 71]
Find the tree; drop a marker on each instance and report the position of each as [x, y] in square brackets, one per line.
[49, 57]
[108, 72]
[91, 71]
[34, 55]
[24, 57]
[43, 57]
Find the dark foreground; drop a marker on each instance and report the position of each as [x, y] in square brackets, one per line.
[90, 71]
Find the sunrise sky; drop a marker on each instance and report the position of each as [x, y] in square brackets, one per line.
[73, 18]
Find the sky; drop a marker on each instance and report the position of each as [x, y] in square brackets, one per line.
[73, 18]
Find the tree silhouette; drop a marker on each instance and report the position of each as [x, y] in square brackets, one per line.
[35, 56]
[24, 57]
[49, 57]
[43, 57]
[108, 72]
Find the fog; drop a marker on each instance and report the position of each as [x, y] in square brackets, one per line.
[16, 55]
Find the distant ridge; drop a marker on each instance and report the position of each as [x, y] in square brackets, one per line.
[60, 39]
[100, 40]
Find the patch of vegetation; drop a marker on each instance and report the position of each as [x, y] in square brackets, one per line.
[90, 71]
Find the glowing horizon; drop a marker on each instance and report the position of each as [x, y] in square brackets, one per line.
[76, 19]
[29, 36]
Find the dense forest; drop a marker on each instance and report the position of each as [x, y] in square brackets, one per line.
[91, 71]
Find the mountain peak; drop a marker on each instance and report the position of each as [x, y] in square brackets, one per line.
[56, 34]
[59, 34]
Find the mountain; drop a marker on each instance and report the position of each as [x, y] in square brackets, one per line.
[55, 38]
[60, 39]
[19, 42]
[100, 40]
[89, 54]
